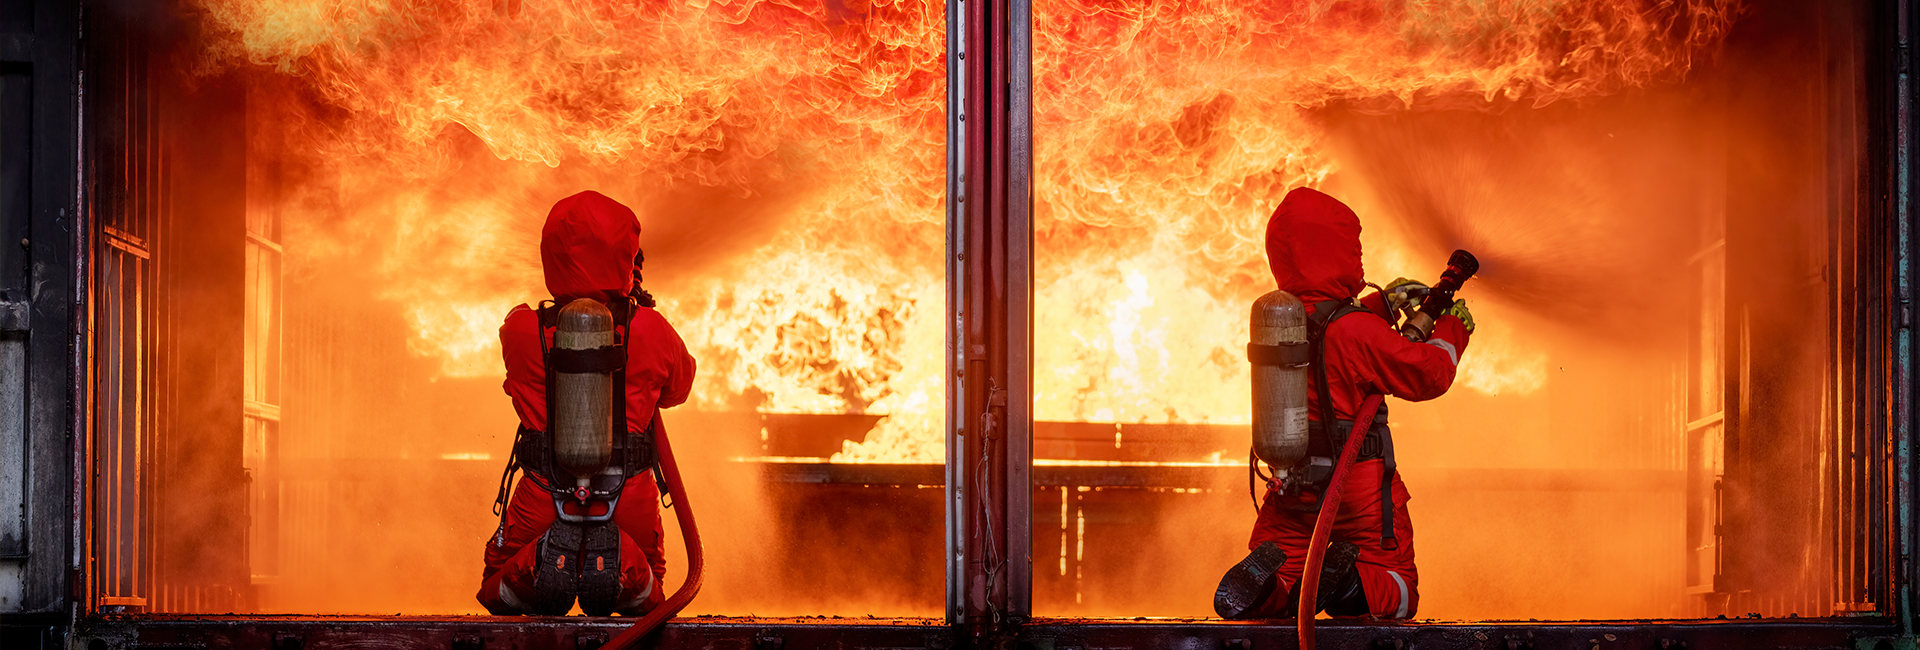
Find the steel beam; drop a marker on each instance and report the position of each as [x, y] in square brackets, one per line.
[1900, 375]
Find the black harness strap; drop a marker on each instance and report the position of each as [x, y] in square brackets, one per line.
[1284, 354]
[506, 479]
[533, 449]
[1322, 319]
[549, 314]
[1372, 448]
[606, 358]
[623, 324]
[517, 459]
[1324, 314]
[1387, 540]
[638, 454]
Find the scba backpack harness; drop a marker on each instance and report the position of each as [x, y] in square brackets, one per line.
[633, 451]
[1306, 482]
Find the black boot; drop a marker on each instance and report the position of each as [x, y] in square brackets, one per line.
[1340, 593]
[558, 577]
[1249, 583]
[600, 570]
[1339, 582]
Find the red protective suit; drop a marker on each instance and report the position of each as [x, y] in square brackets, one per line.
[587, 250]
[1313, 247]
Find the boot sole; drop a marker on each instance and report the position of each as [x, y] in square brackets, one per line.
[600, 570]
[558, 577]
[1250, 582]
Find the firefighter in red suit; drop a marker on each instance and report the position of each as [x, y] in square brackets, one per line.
[589, 248]
[1313, 248]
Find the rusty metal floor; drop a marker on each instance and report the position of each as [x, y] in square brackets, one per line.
[133, 632]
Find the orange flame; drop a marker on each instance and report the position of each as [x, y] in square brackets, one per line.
[435, 134]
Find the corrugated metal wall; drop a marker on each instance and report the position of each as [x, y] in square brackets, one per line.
[130, 200]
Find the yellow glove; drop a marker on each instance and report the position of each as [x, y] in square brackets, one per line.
[1401, 292]
[1459, 309]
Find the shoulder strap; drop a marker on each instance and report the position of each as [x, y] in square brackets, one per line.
[544, 315]
[549, 313]
[622, 327]
[1324, 314]
[1323, 317]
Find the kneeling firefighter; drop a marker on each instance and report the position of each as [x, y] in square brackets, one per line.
[1320, 359]
[588, 373]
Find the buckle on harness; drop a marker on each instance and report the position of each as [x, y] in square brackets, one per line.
[1370, 447]
[586, 510]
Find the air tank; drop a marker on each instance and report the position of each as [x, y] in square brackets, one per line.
[1278, 351]
[582, 402]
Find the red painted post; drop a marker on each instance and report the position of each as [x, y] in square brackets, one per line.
[990, 271]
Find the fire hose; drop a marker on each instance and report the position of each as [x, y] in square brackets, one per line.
[689, 533]
[1323, 525]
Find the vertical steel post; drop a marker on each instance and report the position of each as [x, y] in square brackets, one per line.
[989, 302]
[1019, 309]
[1901, 379]
[957, 159]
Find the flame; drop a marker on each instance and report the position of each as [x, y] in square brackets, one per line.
[1167, 131]
[1133, 344]
[1495, 364]
[431, 136]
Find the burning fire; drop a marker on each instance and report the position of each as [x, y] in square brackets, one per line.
[786, 159]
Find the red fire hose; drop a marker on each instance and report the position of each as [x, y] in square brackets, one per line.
[690, 533]
[1323, 525]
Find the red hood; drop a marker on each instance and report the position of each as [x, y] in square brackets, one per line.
[587, 247]
[1313, 246]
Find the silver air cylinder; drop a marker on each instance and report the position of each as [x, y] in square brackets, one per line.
[1279, 384]
[582, 402]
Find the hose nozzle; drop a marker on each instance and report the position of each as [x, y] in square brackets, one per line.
[1461, 266]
